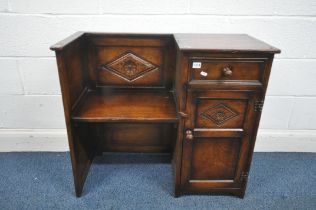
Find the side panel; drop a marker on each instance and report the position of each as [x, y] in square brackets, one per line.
[71, 68]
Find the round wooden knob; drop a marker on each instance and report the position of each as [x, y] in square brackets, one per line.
[189, 135]
[227, 71]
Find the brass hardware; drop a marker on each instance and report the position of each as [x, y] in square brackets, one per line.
[183, 114]
[189, 135]
[227, 71]
[244, 176]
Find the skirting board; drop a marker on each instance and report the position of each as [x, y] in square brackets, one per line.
[55, 140]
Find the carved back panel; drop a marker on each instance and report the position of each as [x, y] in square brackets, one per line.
[130, 61]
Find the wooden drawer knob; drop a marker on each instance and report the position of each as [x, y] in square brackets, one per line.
[227, 71]
[189, 135]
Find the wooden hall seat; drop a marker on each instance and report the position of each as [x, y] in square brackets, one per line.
[197, 97]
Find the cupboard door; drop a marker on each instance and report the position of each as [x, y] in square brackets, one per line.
[217, 139]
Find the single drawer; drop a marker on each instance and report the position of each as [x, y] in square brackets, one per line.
[227, 69]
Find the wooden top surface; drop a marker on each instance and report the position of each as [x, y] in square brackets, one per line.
[222, 42]
[191, 42]
[127, 106]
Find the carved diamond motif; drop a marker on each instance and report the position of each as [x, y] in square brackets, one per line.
[129, 66]
[219, 114]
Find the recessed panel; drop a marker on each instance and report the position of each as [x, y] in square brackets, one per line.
[214, 158]
[137, 137]
[130, 66]
[223, 113]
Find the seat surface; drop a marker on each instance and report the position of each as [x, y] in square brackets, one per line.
[126, 106]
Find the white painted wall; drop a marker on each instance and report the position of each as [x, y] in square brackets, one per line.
[31, 115]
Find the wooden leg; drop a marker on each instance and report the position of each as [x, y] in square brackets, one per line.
[82, 154]
[240, 193]
[80, 180]
[177, 193]
[176, 161]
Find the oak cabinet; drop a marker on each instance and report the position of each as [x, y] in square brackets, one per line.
[197, 97]
[217, 141]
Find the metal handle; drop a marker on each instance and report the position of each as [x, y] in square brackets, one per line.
[227, 71]
[189, 135]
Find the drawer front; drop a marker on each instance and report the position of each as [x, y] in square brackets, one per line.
[227, 69]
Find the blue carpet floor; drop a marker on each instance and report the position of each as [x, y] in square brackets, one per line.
[44, 181]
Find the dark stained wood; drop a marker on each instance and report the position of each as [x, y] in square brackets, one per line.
[216, 155]
[110, 66]
[223, 113]
[219, 154]
[232, 43]
[140, 93]
[137, 137]
[111, 51]
[127, 106]
[67, 41]
[225, 85]
[72, 87]
[228, 69]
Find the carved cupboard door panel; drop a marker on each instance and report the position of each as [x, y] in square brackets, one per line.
[217, 139]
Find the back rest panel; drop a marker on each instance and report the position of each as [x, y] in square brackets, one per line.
[131, 61]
